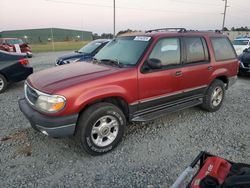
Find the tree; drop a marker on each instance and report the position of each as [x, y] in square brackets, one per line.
[225, 29]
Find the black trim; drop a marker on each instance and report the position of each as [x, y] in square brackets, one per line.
[168, 109]
[168, 99]
[55, 126]
[173, 102]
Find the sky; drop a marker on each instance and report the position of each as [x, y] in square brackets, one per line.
[97, 15]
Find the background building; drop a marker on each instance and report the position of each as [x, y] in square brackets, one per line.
[46, 34]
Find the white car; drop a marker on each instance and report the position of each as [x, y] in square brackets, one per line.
[241, 44]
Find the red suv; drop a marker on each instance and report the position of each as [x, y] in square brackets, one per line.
[134, 78]
[15, 45]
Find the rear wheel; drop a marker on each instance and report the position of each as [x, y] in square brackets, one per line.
[3, 83]
[100, 128]
[214, 96]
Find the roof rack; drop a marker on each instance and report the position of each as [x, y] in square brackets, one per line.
[182, 30]
[167, 29]
[212, 31]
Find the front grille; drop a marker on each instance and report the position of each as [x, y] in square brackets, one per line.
[30, 94]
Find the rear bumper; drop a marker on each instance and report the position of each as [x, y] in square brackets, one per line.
[52, 126]
[21, 75]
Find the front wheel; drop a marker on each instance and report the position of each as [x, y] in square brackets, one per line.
[214, 96]
[100, 128]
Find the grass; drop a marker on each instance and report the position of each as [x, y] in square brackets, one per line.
[59, 46]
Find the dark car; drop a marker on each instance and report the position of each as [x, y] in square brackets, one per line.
[86, 53]
[13, 68]
[15, 45]
[245, 62]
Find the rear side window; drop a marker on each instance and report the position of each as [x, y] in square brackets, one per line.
[195, 50]
[223, 49]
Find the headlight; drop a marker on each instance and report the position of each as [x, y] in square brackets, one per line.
[50, 103]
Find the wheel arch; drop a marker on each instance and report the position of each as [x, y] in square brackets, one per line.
[118, 101]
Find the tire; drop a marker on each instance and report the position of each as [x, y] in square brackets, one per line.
[29, 55]
[3, 83]
[212, 101]
[95, 133]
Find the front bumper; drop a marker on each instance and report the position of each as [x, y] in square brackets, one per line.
[52, 126]
[243, 69]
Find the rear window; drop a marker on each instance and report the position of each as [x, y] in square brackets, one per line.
[223, 49]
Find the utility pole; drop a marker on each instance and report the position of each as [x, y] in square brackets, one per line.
[114, 21]
[224, 14]
[52, 39]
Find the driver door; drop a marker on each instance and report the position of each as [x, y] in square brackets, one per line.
[161, 86]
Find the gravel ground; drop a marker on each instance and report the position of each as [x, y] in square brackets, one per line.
[151, 154]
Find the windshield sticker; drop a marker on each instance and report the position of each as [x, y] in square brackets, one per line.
[142, 38]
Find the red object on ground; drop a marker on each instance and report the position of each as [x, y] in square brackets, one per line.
[215, 167]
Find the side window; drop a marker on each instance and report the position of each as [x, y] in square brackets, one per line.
[195, 50]
[168, 51]
[223, 49]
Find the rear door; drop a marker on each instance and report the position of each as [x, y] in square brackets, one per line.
[197, 68]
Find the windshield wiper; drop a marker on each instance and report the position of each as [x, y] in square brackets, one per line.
[113, 61]
[95, 60]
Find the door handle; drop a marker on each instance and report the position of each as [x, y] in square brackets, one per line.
[209, 68]
[178, 73]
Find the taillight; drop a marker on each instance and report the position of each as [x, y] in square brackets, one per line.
[23, 61]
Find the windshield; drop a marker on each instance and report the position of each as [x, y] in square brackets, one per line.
[240, 42]
[125, 50]
[14, 41]
[90, 47]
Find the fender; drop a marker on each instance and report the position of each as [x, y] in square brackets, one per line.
[217, 73]
[101, 93]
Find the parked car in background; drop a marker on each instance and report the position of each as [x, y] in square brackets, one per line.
[15, 45]
[241, 44]
[13, 68]
[245, 62]
[134, 78]
[86, 53]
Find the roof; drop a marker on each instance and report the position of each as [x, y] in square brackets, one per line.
[243, 38]
[155, 34]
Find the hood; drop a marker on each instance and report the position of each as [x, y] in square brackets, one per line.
[239, 48]
[73, 55]
[61, 77]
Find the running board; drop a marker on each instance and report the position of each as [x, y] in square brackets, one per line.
[156, 114]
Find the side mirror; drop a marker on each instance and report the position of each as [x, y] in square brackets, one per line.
[154, 63]
[245, 50]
